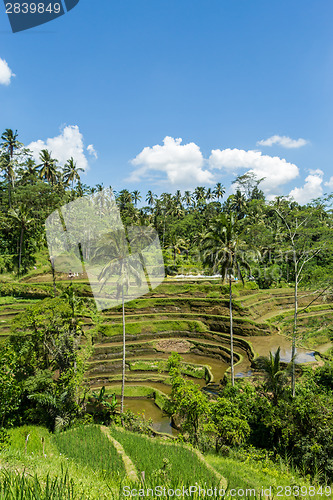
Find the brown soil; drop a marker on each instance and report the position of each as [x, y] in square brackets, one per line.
[173, 345]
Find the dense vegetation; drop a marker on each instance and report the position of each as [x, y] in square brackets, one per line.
[285, 415]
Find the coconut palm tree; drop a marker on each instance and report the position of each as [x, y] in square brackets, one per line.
[150, 198]
[219, 191]
[136, 197]
[275, 375]
[238, 204]
[224, 252]
[28, 173]
[10, 142]
[22, 218]
[71, 172]
[113, 250]
[6, 165]
[178, 197]
[124, 198]
[187, 198]
[199, 194]
[209, 195]
[48, 169]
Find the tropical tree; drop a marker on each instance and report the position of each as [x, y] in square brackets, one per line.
[6, 165]
[9, 141]
[112, 249]
[219, 191]
[136, 196]
[223, 252]
[275, 375]
[188, 402]
[305, 236]
[199, 194]
[187, 198]
[48, 169]
[71, 172]
[23, 219]
[150, 198]
[209, 195]
[238, 203]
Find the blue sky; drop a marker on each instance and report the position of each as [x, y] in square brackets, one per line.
[130, 78]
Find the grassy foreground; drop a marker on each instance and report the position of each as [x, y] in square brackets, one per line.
[83, 463]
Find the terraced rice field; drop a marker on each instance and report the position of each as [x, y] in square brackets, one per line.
[192, 318]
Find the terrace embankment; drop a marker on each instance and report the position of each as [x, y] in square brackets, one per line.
[192, 318]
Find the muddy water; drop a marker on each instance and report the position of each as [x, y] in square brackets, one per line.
[161, 423]
[264, 345]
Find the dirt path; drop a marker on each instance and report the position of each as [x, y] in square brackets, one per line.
[128, 464]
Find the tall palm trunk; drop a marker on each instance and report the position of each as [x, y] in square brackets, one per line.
[9, 194]
[124, 355]
[20, 251]
[293, 346]
[53, 276]
[231, 335]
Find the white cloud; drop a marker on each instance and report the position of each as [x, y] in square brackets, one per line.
[330, 183]
[275, 171]
[284, 141]
[311, 189]
[181, 164]
[91, 150]
[69, 143]
[5, 73]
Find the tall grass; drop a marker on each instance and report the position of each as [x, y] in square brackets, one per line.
[22, 486]
[90, 447]
[150, 455]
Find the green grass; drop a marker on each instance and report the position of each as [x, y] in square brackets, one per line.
[192, 370]
[88, 446]
[252, 474]
[24, 486]
[148, 454]
[147, 327]
[27, 473]
[140, 391]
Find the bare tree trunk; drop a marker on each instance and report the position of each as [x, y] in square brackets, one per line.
[123, 371]
[231, 336]
[20, 254]
[293, 346]
[53, 277]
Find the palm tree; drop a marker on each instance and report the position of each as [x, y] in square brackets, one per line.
[199, 194]
[113, 250]
[150, 198]
[223, 252]
[71, 172]
[219, 191]
[276, 376]
[238, 203]
[29, 171]
[6, 166]
[124, 198]
[22, 218]
[136, 197]
[9, 141]
[178, 197]
[48, 169]
[209, 195]
[9, 144]
[178, 245]
[187, 198]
